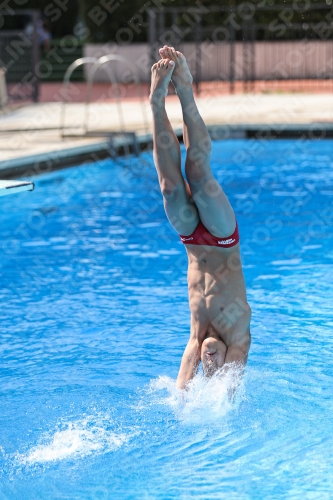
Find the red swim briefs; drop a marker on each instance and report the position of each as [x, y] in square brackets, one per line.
[201, 236]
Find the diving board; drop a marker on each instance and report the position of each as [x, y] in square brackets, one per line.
[12, 187]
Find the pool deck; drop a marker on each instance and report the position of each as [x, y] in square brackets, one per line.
[31, 142]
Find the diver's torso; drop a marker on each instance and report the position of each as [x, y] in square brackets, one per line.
[217, 292]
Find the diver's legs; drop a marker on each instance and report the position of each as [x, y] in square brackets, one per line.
[180, 211]
[214, 208]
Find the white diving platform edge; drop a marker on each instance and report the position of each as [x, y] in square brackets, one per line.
[13, 187]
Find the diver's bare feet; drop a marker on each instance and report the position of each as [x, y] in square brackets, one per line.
[181, 76]
[161, 73]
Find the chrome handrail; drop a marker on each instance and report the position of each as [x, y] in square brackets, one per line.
[100, 62]
[68, 74]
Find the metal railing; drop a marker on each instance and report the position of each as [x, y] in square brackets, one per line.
[99, 64]
[130, 136]
[239, 48]
[70, 70]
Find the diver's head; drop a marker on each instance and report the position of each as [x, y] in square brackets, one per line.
[213, 352]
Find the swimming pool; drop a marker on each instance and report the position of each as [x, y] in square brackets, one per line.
[95, 318]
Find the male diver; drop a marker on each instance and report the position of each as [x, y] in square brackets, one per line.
[200, 212]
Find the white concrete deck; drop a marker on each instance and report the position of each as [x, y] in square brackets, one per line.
[34, 129]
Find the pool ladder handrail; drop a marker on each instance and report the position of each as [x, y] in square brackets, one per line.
[100, 62]
[96, 64]
[71, 68]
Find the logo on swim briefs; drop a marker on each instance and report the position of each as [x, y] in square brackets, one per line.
[226, 242]
[186, 239]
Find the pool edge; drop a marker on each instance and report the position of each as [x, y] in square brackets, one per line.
[33, 165]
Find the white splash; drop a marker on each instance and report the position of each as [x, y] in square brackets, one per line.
[205, 399]
[75, 439]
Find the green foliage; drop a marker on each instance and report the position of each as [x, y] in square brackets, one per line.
[125, 21]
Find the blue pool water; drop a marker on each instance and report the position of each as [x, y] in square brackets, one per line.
[95, 318]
